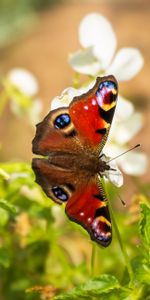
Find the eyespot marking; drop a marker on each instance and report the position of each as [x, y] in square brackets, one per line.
[106, 94]
[62, 121]
[60, 193]
[109, 85]
[101, 231]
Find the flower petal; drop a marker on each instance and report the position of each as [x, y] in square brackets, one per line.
[112, 150]
[95, 30]
[68, 94]
[65, 98]
[126, 64]
[34, 113]
[123, 132]
[24, 80]
[124, 109]
[134, 163]
[60, 101]
[114, 176]
[84, 62]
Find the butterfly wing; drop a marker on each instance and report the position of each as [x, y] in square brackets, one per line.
[85, 124]
[84, 197]
[92, 113]
[55, 134]
[88, 207]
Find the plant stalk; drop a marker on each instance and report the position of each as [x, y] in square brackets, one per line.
[124, 252]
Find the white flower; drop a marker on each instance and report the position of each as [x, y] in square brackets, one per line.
[125, 126]
[22, 88]
[114, 175]
[24, 80]
[68, 94]
[97, 56]
[132, 163]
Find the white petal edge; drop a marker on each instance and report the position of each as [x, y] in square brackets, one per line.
[123, 132]
[112, 150]
[114, 176]
[126, 64]
[24, 80]
[134, 163]
[84, 62]
[95, 30]
[68, 94]
[64, 99]
[124, 109]
[34, 113]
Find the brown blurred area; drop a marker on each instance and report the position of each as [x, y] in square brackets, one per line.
[44, 51]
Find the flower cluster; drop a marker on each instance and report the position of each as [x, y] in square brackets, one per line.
[21, 88]
[97, 58]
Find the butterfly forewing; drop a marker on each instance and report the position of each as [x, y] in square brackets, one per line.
[92, 113]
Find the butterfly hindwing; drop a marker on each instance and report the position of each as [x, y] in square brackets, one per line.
[88, 207]
[85, 200]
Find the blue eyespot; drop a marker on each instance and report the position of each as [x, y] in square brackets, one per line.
[62, 121]
[59, 193]
[108, 84]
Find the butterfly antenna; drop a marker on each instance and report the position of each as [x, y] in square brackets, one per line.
[136, 146]
[123, 202]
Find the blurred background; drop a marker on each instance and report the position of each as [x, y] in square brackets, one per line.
[38, 36]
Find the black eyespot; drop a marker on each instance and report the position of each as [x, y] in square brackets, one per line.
[62, 121]
[108, 84]
[59, 193]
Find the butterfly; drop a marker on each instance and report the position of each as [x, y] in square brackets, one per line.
[71, 139]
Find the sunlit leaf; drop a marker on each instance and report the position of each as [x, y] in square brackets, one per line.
[4, 257]
[144, 226]
[95, 287]
[8, 206]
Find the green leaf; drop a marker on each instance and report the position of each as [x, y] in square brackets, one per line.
[141, 268]
[4, 216]
[94, 287]
[134, 294]
[8, 206]
[144, 226]
[4, 175]
[4, 257]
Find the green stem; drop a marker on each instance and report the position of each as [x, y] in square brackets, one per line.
[76, 80]
[124, 252]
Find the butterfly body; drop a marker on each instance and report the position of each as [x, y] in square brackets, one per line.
[71, 139]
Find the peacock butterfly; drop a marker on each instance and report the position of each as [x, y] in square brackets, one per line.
[71, 140]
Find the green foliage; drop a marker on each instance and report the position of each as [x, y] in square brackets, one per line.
[138, 288]
[16, 16]
[92, 288]
[145, 225]
[40, 247]
[45, 256]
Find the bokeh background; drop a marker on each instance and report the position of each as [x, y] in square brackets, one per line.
[39, 35]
